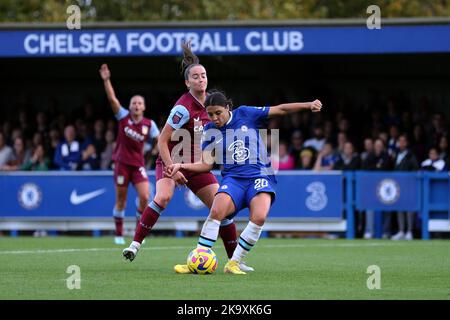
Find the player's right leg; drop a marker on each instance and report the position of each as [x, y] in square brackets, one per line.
[164, 191]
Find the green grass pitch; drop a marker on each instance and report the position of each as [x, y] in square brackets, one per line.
[36, 268]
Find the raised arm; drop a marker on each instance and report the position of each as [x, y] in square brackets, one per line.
[286, 108]
[106, 75]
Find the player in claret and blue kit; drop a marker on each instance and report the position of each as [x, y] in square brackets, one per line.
[134, 131]
[232, 138]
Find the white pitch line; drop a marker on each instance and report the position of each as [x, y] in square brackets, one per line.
[186, 247]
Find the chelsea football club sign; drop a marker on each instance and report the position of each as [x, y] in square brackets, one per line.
[387, 191]
[226, 41]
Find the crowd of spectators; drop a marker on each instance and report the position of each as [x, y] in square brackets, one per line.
[332, 140]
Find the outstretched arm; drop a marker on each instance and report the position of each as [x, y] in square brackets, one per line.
[205, 165]
[286, 108]
[106, 75]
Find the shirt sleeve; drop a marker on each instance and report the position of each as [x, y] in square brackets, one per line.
[122, 113]
[154, 131]
[258, 114]
[178, 117]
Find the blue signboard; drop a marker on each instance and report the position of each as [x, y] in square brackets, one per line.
[226, 41]
[57, 195]
[388, 191]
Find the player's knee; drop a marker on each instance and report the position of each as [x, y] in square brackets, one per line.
[162, 200]
[259, 220]
[217, 213]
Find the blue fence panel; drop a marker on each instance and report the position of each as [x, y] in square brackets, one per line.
[388, 191]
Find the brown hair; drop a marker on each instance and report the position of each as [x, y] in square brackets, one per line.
[189, 59]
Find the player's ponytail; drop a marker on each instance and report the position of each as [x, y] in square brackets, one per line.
[189, 59]
[218, 98]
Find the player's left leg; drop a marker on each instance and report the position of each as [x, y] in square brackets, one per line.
[259, 209]
[119, 213]
[142, 189]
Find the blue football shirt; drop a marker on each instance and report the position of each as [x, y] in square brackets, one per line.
[238, 145]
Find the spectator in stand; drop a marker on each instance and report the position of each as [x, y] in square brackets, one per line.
[433, 163]
[106, 155]
[341, 141]
[378, 160]
[307, 159]
[68, 151]
[6, 152]
[405, 161]
[38, 162]
[19, 156]
[418, 142]
[98, 139]
[318, 140]
[349, 159]
[438, 128]
[296, 146]
[383, 135]
[284, 160]
[368, 148]
[54, 138]
[329, 132]
[393, 140]
[443, 147]
[89, 158]
[41, 123]
[326, 158]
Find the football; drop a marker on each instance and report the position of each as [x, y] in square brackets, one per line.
[202, 261]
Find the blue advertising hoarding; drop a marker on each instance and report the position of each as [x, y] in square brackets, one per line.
[226, 41]
[388, 191]
[64, 195]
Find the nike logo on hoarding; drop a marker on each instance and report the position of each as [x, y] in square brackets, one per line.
[76, 199]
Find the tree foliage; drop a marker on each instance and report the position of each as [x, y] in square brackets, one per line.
[198, 10]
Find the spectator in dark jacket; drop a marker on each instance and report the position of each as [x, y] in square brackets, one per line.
[378, 160]
[349, 159]
[405, 161]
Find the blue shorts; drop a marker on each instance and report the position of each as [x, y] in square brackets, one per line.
[243, 190]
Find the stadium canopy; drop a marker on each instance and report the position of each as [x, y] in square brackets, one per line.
[285, 37]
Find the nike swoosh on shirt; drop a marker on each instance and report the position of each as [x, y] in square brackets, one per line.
[76, 199]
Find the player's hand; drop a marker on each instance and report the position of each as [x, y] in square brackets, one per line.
[104, 72]
[169, 171]
[316, 106]
[180, 179]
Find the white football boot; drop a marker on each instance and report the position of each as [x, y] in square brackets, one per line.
[131, 252]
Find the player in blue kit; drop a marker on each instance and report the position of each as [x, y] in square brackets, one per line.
[232, 138]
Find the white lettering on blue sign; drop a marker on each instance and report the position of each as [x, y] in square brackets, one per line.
[164, 42]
